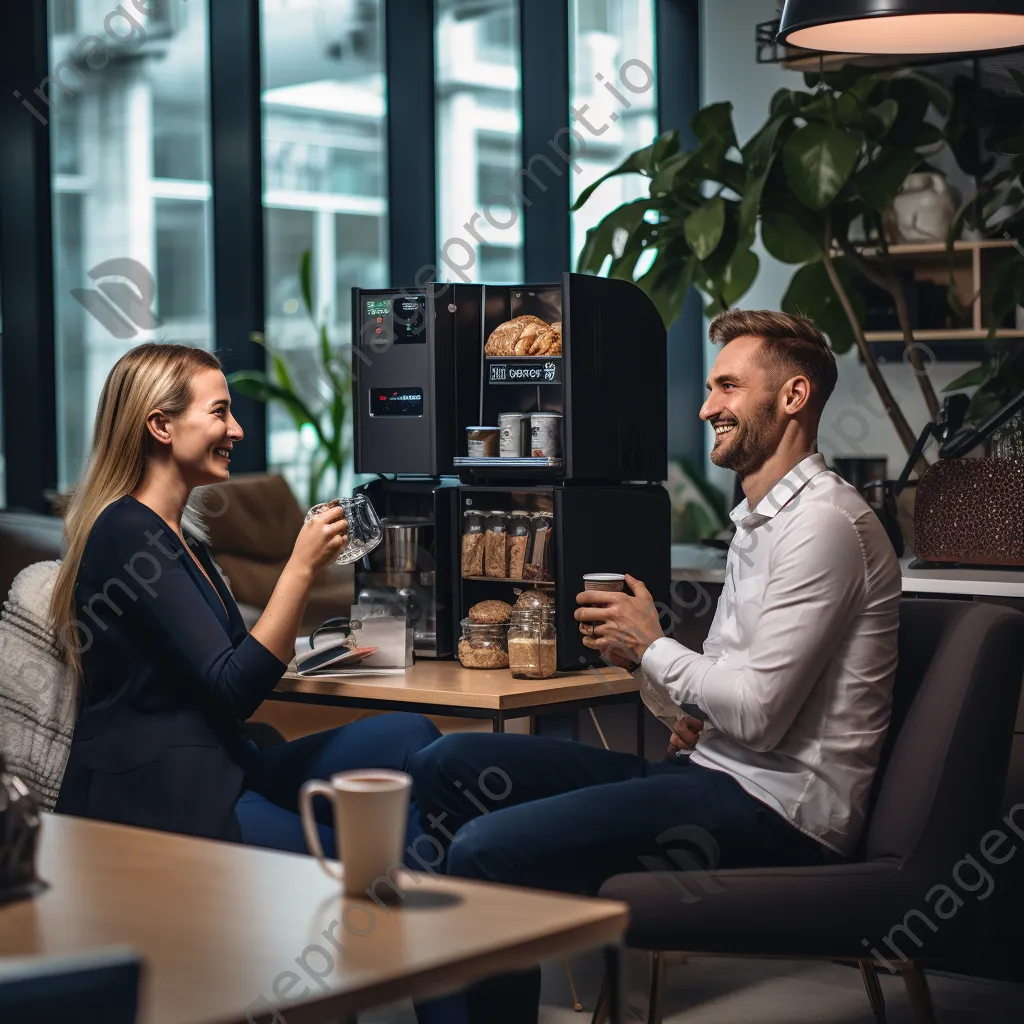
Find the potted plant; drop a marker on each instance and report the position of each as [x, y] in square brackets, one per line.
[814, 180]
[326, 409]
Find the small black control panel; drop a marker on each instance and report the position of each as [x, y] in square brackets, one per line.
[396, 401]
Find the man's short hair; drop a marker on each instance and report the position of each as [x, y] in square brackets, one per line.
[789, 345]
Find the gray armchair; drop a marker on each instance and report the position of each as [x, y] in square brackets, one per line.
[906, 897]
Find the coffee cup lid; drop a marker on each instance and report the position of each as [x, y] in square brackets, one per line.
[604, 577]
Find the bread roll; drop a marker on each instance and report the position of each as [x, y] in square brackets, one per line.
[490, 611]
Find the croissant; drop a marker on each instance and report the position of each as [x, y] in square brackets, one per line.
[502, 341]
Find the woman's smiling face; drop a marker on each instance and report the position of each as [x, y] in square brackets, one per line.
[202, 437]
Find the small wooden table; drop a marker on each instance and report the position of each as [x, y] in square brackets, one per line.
[446, 688]
[227, 932]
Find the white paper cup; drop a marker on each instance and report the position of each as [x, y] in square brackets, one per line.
[371, 809]
[613, 581]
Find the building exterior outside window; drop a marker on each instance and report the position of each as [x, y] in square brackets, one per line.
[325, 189]
[611, 48]
[128, 113]
[477, 85]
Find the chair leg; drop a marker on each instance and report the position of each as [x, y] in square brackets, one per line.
[654, 1009]
[576, 1004]
[917, 991]
[874, 990]
[601, 1010]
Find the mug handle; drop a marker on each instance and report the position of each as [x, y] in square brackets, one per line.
[316, 787]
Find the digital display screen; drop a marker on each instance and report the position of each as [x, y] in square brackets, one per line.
[409, 316]
[400, 320]
[396, 401]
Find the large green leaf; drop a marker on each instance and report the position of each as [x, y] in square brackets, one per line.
[760, 149]
[738, 276]
[787, 239]
[643, 161]
[913, 98]
[703, 228]
[811, 294]
[668, 281]
[714, 123]
[256, 384]
[881, 117]
[971, 379]
[878, 183]
[600, 239]
[819, 160]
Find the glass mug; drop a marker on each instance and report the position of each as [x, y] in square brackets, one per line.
[364, 529]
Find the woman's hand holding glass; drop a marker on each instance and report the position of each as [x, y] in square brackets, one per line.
[322, 539]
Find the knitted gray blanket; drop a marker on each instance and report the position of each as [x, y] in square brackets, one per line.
[38, 702]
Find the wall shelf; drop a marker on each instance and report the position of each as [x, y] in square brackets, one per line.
[932, 266]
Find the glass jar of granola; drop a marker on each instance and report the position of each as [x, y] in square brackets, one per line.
[532, 650]
[519, 530]
[473, 543]
[495, 553]
[483, 645]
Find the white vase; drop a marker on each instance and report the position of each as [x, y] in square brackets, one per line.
[922, 211]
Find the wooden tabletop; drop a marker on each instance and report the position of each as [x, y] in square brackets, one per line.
[448, 683]
[225, 929]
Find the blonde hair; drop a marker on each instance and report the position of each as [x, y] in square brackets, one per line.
[149, 376]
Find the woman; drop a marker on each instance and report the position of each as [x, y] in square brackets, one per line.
[168, 671]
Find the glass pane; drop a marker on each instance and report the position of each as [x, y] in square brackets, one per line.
[612, 52]
[479, 199]
[325, 179]
[131, 181]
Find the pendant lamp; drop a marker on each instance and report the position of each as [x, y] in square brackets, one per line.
[903, 26]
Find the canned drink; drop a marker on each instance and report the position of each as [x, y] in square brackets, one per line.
[515, 434]
[546, 434]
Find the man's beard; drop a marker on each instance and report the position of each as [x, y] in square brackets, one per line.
[750, 443]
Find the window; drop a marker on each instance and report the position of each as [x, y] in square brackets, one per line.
[477, 83]
[325, 190]
[131, 182]
[611, 47]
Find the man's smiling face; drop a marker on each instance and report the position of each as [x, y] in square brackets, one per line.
[742, 406]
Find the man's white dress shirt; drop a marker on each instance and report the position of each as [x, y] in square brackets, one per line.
[797, 670]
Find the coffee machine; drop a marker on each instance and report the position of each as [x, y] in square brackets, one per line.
[412, 564]
[422, 378]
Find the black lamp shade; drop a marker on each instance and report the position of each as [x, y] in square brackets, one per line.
[903, 26]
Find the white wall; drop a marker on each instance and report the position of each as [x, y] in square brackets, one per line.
[853, 423]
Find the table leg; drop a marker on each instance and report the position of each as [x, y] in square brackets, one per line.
[641, 718]
[498, 722]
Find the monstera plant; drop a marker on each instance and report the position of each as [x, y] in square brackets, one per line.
[322, 405]
[814, 181]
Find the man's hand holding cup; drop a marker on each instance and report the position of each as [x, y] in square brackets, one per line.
[620, 626]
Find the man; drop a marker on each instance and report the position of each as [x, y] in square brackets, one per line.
[788, 703]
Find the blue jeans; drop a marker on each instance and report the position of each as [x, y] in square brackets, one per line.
[555, 814]
[268, 810]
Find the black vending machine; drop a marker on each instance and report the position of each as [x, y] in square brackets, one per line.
[539, 410]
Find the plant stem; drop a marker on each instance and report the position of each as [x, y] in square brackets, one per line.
[899, 421]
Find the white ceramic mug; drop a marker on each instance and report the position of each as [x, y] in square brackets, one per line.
[371, 808]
